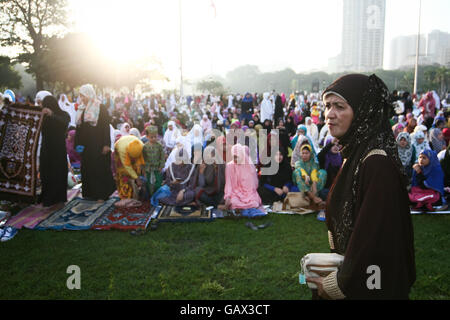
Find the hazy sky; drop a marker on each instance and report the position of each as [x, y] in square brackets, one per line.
[272, 34]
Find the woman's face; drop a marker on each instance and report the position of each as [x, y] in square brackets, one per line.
[335, 148]
[279, 157]
[84, 99]
[420, 140]
[403, 143]
[301, 132]
[423, 160]
[306, 155]
[338, 115]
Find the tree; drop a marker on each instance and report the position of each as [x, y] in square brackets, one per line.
[214, 87]
[442, 78]
[9, 78]
[28, 24]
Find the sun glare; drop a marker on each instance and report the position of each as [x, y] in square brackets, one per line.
[124, 30]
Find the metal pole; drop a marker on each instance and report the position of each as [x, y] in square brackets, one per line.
[181, 57]
[417, 51]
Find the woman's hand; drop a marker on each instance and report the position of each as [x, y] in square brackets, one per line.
[319, 283]
[47, 111]
[417, 168]
[106, 149]
[285, 190]
[307, 180]
[278, 191]
[180, 196]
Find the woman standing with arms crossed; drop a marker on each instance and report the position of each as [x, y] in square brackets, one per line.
[368, 213]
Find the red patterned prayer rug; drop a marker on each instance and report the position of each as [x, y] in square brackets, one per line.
[126, 218]
[20, 127]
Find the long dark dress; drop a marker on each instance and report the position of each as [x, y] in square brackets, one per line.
[279, 112]
[268, 183]
[96, 175]
[382, 235]
[53, 158]
[211, 185]
[181, 173]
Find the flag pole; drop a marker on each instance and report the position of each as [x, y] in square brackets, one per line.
[181, 56]
[417, 51]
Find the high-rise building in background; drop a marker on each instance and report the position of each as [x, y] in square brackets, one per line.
[438, 45]
[362, 37]
[434, 49]
[403, 51]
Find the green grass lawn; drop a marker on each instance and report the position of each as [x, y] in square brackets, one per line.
[210, 260]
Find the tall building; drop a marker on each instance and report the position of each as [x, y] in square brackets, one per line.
[438, 43]
[403, 51]
[434, 49]
[363, 35]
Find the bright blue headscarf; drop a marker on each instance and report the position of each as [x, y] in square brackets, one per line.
[249, 99]
[434, 176]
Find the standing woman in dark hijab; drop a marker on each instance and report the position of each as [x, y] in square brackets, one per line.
[93, 141]
[279, 112]
[53, 156]
[367, 213]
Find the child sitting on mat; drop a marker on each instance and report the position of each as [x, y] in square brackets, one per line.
[427, 181]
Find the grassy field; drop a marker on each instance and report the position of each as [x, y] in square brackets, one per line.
[211, 260]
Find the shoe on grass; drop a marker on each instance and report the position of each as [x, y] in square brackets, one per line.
[10, 232]
[321, 215]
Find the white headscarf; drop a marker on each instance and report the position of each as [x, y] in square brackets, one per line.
[313, 131]
[92, 109]
[170, 136]
[182, 142]
[40, 97]
[68, 107]
[267, 108]
[196, 134]
[206, 123]
[124, 131]
[421, 128]
[135, 132]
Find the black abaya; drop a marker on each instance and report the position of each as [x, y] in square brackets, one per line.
[53, 158]
[96, 175]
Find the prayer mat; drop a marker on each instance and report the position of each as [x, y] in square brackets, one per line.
[78, 214]
[127, 218]
[430, 212]
[19, 136]
[73, 193]
[296, 211]
[30, 217]
[171, 214]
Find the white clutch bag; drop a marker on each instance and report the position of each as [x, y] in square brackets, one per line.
[319, 265]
